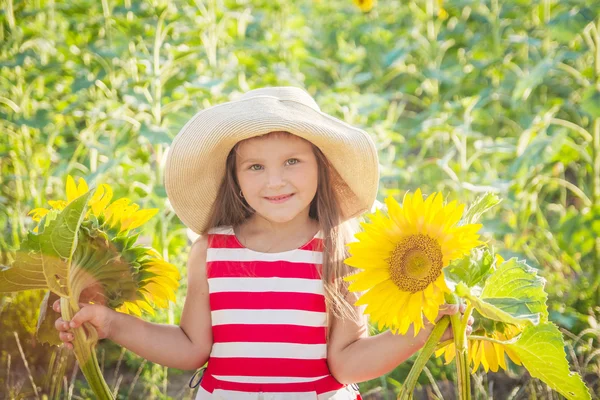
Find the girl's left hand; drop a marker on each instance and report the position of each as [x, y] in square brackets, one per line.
[451, 309]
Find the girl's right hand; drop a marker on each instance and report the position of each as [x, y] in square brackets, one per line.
[100, 316]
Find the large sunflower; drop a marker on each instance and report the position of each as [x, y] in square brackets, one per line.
[402, 255]
[486, 353]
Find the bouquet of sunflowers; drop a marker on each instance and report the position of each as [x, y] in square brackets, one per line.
[419, 255]
[84, 249]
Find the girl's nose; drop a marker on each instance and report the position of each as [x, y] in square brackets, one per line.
[275, 180]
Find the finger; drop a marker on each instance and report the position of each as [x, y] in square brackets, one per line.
[469, 330]
[61, 325]
[68, 345]
[56, 306]
[463, 307]
[447, 309]
[83, 315]
[65, 336]
[471, 320]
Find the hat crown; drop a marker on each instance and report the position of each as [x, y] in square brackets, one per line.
[284, 93]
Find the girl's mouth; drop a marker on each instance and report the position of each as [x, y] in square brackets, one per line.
[279, 199]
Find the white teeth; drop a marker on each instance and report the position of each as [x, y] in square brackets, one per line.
[278, 198]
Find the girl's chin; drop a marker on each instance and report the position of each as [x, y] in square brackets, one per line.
[278, 217]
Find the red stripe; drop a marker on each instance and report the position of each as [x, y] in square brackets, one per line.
[315, 244]
[221, 241]
[238, 366]
[267, 301]
[271, 333]
[263, 269]
[324, 385]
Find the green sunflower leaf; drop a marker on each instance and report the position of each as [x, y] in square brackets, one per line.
[58, 242]
[27, 271]
[541, 350]
[514, 294]
[471, 270]
[479, 206]
[45, 331]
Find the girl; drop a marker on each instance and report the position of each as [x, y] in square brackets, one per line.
[271, 184]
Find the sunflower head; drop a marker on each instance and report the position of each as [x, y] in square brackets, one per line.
[108, 266]
[402, 253]
[365, 5]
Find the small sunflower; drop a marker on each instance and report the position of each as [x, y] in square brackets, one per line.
[156, 280]
[365, 5]
[486, 353]
[83, 249]
[402, 255]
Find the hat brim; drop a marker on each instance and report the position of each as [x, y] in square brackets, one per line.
[197, 158]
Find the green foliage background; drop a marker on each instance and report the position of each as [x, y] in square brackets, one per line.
[461, 96]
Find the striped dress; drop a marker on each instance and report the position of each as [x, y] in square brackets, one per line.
[268, 324]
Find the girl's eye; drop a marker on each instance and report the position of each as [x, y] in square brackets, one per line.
[293, 161]
[255, 167]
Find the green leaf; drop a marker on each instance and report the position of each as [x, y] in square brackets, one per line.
[495, 308]
[58, 242]
[590, 102]
[513, 294]
[470, 270]
[26, 272]
[566, 26]
[46, 332]
[155, 134]
[533, 78]
[541, 350]
[517, 285]
[479, 206]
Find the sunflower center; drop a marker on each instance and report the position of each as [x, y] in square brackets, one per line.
[416, 262]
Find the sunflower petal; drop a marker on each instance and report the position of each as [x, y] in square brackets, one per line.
[138, 218]
[38, 213]
[102, 196]
[367, 279]
[71, 189]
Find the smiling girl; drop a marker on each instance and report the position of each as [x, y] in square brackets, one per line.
[272, 185]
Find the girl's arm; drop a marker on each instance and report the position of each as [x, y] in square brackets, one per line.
[186, 346]
[354, 356]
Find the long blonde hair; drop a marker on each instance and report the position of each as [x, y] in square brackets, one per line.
[232, 210]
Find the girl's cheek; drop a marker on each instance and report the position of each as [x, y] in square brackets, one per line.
[248, 181]
[307, 179]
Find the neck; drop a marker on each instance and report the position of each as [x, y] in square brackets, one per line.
[301, 224]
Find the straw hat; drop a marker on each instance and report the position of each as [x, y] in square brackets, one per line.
[196, 161]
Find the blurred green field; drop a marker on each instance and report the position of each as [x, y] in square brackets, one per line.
[460, 96]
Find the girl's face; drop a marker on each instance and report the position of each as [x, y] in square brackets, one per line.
[278, 175]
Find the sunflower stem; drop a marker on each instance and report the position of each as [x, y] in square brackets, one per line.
[488, 339]
[459, 330]
[422, 358]
[85, 353]
[467, 314]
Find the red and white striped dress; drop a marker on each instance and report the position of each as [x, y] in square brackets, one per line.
[268, 323]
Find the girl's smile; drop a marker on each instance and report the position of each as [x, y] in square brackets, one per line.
[279, 199]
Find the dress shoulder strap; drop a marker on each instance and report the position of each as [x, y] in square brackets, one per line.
[221, 230]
